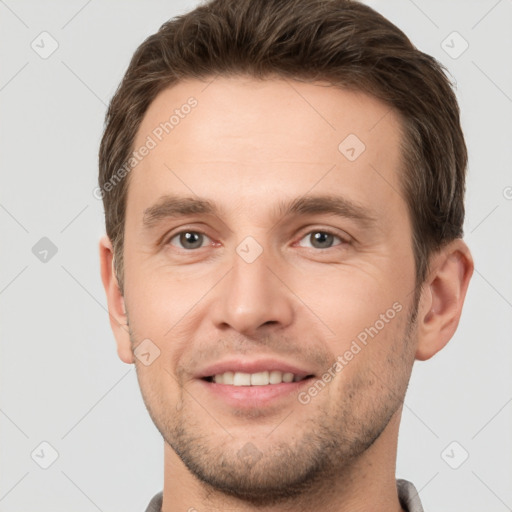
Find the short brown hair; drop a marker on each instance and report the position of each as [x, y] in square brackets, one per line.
[343, 42]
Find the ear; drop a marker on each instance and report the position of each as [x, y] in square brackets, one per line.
[115, 301]
[442, 297]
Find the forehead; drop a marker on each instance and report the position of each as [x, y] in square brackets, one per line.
[242, 134]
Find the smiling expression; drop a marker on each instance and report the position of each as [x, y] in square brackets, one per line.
[256, 246]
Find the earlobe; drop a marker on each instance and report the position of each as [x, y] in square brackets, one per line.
[115, 301]
[442, 298]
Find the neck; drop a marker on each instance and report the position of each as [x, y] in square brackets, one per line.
[367, 483]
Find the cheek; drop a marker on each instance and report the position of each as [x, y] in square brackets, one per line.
[351, 298]
[159, 300]
[375, 363]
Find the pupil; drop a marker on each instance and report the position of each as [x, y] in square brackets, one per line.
[193, 240]
[322, 239]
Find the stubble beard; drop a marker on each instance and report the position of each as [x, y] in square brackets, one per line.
[321, 452]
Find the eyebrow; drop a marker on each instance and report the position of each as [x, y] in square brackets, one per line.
[328, 204]
[170, 206]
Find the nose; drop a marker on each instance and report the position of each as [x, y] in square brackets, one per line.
[252, 298]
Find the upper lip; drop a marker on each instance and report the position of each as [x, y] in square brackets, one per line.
[251, 366]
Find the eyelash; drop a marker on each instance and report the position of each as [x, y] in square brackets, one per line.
[324, 231]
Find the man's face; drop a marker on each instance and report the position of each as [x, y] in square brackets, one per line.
[254, 285]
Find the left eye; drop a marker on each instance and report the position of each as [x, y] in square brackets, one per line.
[320, 239]
[190, 239]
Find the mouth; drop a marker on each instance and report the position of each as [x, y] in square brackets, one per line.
[262, 384]
[263, 378]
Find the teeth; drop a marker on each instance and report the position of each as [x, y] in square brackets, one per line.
[242, 379]
[275, 377]
[255, 379]
[259, 379]
[228, 378]
[287, 377]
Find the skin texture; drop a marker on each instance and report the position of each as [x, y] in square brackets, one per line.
[247, 146]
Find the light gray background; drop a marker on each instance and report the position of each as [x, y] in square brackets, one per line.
[61, 379]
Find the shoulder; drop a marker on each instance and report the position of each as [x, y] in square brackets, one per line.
[408, 496]
[155, 505]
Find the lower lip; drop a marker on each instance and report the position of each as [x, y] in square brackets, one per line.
[248, 397]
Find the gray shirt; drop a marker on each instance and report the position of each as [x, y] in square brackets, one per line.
[407, 494]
